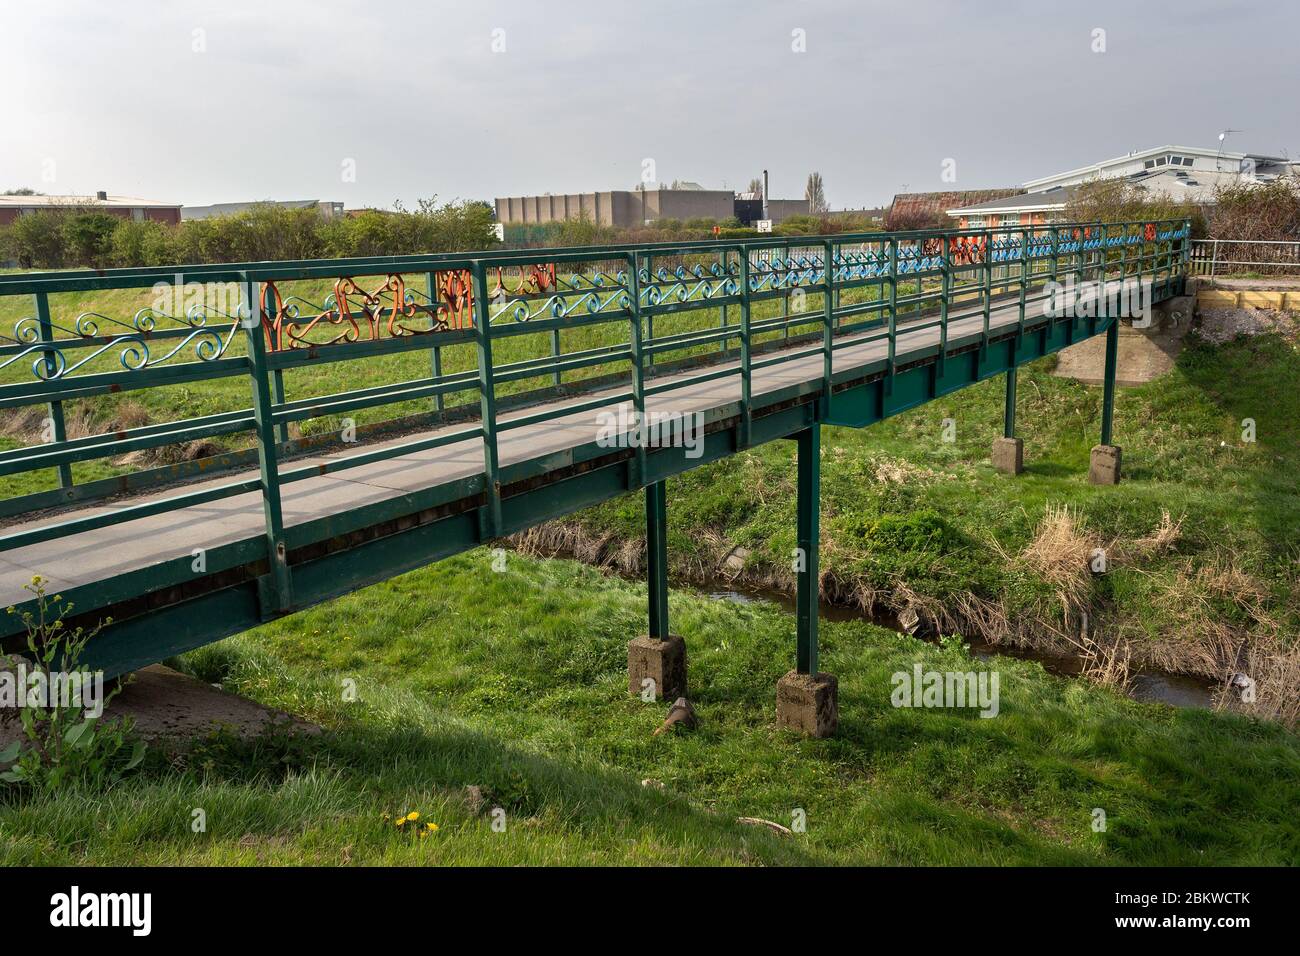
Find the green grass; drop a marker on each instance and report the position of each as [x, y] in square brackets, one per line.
[902, 506]
[515, 681]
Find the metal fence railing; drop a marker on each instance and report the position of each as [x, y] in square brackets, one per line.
[1223, 257]
[453, 339]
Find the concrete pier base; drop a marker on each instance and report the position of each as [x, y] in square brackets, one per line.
[808, 703]
[1009, 455]
[1104, 465]
[662, 662]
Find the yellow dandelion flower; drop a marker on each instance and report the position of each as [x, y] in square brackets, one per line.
[400, 823]
[413, 815]
[431, 826]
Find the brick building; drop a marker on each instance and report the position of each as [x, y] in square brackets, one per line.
[128, 207]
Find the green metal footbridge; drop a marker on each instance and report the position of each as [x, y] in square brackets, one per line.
[343, 421]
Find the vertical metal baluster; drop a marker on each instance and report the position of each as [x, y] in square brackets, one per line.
[58, 429]
[431, 290]
[987, 290]
[650, 319]
[277, 376]
[893, 313]
[1024, 283]
[276, 588]
[745, 383]
[638, 369]
[946, 288]
[722, 311]
[481, 316]
[828, 337]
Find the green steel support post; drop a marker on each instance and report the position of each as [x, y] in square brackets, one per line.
[58, 430]
[1009, 417]
[745, 370]
[656, 527]
[278, 587]
[490, 517]
[806, 586]
[1108, 387]
[431, 291]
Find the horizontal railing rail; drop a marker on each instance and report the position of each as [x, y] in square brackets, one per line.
[467, 346]
[1213, 257]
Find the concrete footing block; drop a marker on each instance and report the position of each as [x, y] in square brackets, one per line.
[662, 662]
[808, 703]
[1009, 455]
[1104, 465]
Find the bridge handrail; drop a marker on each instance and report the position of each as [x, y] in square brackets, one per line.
[867, 283]
[67, 280]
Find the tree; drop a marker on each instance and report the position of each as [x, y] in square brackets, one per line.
[21, 191]
[88, 237]
[756, 187]
[36, 240]
[815, 193]
[1117, 200]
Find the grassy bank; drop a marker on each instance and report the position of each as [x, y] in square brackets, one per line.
[514, 682]
[1201, 537]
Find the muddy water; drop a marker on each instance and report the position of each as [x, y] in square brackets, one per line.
[1147, 686]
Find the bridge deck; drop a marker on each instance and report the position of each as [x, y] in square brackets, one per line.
[107, 552]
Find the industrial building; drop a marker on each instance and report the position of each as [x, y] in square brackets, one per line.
[637, 207]
[1179, 173]
[125, 207]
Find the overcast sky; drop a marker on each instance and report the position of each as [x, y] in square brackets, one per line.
[197, 102]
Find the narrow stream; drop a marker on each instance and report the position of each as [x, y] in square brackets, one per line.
[1148, 686]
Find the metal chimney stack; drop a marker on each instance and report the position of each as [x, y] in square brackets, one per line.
[765, 191]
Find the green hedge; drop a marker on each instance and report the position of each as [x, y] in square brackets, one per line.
[86, 237]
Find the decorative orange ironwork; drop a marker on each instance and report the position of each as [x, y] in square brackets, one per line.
[537, 279]
[451, 308]
[967, 250]
[455, 300]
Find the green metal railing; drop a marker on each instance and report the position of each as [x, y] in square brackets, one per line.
[723, 310]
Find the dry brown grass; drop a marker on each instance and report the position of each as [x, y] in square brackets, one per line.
[1109, 650]
[1060, 554]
